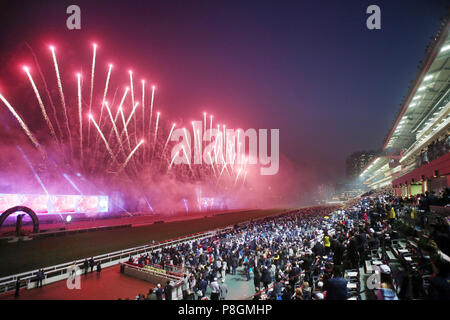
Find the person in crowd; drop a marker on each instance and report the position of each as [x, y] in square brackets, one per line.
[336, 287]
[99, 268]
[92, 264]
[223, 290]
[287, 292]
[185, 287]
[298, 295]
[86, 267]
[215, 290]
[159, 292]
[440, 283]
[327, 244]
[151, 295]
[256, 277]
[40, 278]
[17, 291]
[168, 291]
[387, 289]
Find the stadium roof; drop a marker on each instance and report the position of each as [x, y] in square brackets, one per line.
[427, 96]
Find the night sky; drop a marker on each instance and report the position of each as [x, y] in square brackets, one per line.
[310, 68]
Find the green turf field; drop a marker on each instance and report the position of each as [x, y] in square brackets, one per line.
[29, 255]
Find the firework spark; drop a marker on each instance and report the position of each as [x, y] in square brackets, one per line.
[130, 156]
[92, 86]
[61, 93]
[22, 123]
[41, 104]
[80, 112]
[103, 138]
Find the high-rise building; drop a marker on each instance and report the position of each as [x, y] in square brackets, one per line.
[357, 161]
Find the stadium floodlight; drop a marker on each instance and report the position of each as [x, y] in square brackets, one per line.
[421, 89]
[428, 77]
[417, 97]
[412, 105]
[445, 48]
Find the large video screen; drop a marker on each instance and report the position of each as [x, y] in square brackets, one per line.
[55, 203]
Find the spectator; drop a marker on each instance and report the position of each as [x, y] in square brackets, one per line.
[336, 287]
[92, 264]
[440, 284]
[223, 290]
[17, 292]
[387, 290]
[215, 290]
[151, 295]
[168, 291]
[99, 268]
[159, 292]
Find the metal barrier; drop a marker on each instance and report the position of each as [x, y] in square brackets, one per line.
[161, 274]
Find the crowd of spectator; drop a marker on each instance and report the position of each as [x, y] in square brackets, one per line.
[434, 150]
[301, 255]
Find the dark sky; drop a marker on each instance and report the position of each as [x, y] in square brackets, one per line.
[310, 68]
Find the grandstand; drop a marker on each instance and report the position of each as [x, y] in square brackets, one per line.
[415, 154]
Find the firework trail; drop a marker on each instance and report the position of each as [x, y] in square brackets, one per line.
[36, 62]
[204, 121]
[168, 137]
[156, 131]
[119, 110]
[113, 122]
[151, 110]
[80, 116]
[210, 122]
[104, 94]
[92, 88]
[103, 138]
[132, 101]
[245, 176]
[129, 156]
[22, 124]
[143, 115]
[131, 86]
[61, 93]
[41, 104]
[124, 127]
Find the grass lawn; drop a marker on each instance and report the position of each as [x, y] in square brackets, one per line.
[25, 256]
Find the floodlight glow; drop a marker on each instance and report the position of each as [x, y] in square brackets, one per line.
[428, 77]
[446, 48]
